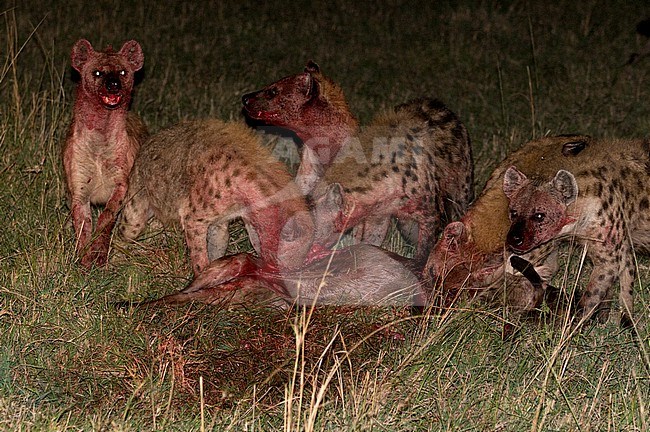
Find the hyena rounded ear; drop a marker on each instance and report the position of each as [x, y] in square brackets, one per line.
[132, 51]
[81, 53]
[312, 67]
[513, 179]
[573, 148]
[565, 183]
[313, 87]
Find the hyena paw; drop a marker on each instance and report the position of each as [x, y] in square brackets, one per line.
[95, 256]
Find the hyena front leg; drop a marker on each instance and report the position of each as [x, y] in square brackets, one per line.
[427, 228]
[603, 276]
[408, 229]
[98, 251]
[196, 238]
[627, 276]
[83, 224]
[136, 213]
[218, 238]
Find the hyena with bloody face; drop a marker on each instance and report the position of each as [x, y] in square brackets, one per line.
[603, 204]
[300, 103]
[213, 172]
[413, 162]
[102, 142]
[472, 255]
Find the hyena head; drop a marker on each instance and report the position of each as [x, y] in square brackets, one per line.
[456, 262]
[450, 252]
[107, 76]
[297, 102]
[537, 212]
[454, 266]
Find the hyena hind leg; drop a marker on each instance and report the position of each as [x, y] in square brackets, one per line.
[625, 295]
[408, 229]
[134, 217]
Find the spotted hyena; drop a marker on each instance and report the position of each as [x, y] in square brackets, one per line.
[472, 256]
[202, 174]
[413, 162]
[102, 142]
[604, 204]
[301, 103]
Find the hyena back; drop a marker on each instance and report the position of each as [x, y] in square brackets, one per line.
[603, 204]
[202, 174]
[414, 163]
[102, 142]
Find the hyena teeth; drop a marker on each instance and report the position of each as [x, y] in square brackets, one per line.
[101, 145]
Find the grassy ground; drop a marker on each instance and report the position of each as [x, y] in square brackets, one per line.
[511, 70]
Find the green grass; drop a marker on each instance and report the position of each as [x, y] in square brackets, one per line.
[511, 70]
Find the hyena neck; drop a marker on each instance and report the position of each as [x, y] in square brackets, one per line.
[485, 240]
[92, 115]
[487, 221]
[327, 140]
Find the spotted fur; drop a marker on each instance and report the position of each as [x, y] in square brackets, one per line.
[604, 204]
[202, 174]
[413, 162]
[470, 256]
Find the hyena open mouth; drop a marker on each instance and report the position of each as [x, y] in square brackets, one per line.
[110, 92]
[111, 101]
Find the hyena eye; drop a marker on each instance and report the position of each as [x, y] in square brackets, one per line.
[122, 72]
[538, 217]
[97, 73]
[513, 214]
[272, 92]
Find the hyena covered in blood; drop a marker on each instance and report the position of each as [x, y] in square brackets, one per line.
[413, 162]
[471, 255]
[202, 174]
[604, 204]
[301, 103]
[102, 142]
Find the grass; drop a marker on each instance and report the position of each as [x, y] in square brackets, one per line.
[511, 70]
